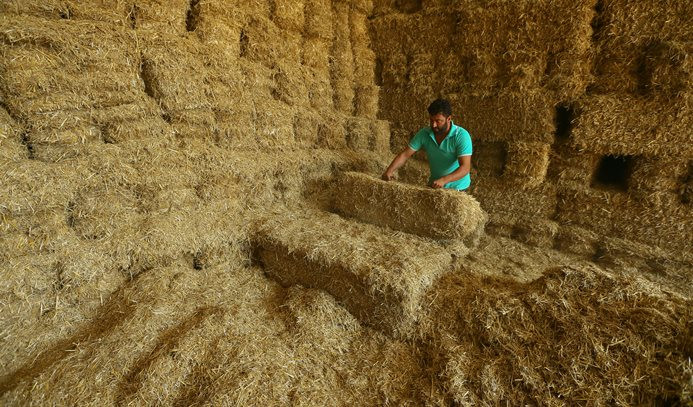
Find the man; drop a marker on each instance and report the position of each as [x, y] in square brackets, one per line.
[448, 147]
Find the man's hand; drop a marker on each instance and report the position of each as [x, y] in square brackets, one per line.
[439, 183]
[387, 177]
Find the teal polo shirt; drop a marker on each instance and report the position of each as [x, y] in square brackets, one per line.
[443, 158]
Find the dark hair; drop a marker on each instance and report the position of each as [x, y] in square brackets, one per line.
[441, 106]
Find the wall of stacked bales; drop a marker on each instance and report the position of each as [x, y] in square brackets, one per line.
[579, 111]
[167, 164]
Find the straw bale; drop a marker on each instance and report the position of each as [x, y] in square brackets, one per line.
[11, 144]
[585, 350]
[262, 41]
[442, 215]
[332, 131]
[527, 116]
[306, 123]
[568, 165]
[290, 84]
[502, 196]
[342, 61]
[394, 68]
[618, 214]
[358, 26]
[527, 162]
[274, 123]
[343, 95]
[535, 232]
[318, 19]
[222, 36]
[658, 174]
[577, 240]
[358, 136]
[320, 92]
[380, 287]
[162, 16]
[315, 53]
[489, 158]
[166, 62]
[121, 131]
[288, 14]
[634, 125]
[366, 98]
[90, 43]
[364, 65]
[381, 136]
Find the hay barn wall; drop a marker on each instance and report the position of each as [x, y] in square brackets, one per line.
[143, 143]
[580, 111]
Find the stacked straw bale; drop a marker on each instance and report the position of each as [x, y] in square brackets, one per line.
[378, 275]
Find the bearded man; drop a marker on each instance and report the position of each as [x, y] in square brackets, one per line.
[448, 147]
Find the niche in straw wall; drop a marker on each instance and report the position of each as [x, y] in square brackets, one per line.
[613, 172]
[489, 158]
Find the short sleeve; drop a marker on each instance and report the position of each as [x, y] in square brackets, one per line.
[464, 143]
[417, 141]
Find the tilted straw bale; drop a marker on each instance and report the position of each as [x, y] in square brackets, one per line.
[437, 214]
[535, 232]
[288, 14]
[378, 275]
[318, 19]
[527, 162]
[634, 125]
[472, 311]
[577, 240]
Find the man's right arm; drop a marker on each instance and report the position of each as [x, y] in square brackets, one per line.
[398, 162]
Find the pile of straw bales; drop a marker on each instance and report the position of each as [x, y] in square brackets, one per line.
[550, 91]
[169, 169]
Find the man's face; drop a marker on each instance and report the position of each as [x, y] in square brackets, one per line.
[440, 124]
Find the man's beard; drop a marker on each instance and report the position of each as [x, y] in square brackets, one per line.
[442, 131]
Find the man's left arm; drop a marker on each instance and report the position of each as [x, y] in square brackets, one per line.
[464, 168]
